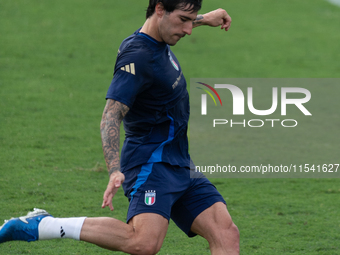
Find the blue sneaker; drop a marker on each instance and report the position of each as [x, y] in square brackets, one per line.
[24, 228]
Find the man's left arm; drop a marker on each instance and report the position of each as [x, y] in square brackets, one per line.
[215, 18]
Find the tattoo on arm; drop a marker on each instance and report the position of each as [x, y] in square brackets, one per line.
[113, 115]
[198, 21]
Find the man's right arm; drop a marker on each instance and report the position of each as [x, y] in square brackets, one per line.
[113, 115]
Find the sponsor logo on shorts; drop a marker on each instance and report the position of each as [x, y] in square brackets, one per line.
[150, 197]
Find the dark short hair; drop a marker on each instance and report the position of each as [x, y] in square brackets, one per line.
[171, 5]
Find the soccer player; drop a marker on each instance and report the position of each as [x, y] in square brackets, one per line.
[148, 93]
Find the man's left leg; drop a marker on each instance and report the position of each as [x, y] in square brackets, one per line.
[202, 210]
[216, 226]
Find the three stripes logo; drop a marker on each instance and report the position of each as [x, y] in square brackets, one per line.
[129, 68]
[204, 97]
[62, 232]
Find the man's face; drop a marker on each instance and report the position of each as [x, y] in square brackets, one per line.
[175, 25]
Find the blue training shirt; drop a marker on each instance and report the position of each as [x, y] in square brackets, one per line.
[149, 80]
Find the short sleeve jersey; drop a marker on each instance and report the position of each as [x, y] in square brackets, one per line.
[149, 80]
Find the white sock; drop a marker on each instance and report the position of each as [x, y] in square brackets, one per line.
[53, 228]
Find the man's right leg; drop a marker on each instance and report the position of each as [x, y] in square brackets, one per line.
[143, 235]
[148, 222]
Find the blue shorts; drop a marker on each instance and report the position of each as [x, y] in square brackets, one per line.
[169, 191]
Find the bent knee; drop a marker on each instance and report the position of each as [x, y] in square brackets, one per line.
[236, 238]
[145, 247]
[235, 232]
[226, 234]
[231, 231]
[230, 235]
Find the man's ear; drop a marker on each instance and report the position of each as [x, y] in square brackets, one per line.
[159, 10]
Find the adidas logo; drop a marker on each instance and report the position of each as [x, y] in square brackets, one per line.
[129, 68]
[62, 232]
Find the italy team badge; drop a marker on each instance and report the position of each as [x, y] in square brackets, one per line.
[150, 197]
[174, 64]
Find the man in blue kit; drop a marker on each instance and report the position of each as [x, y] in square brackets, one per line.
[148, 93]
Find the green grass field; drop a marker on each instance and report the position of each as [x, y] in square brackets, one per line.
[56, 64]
